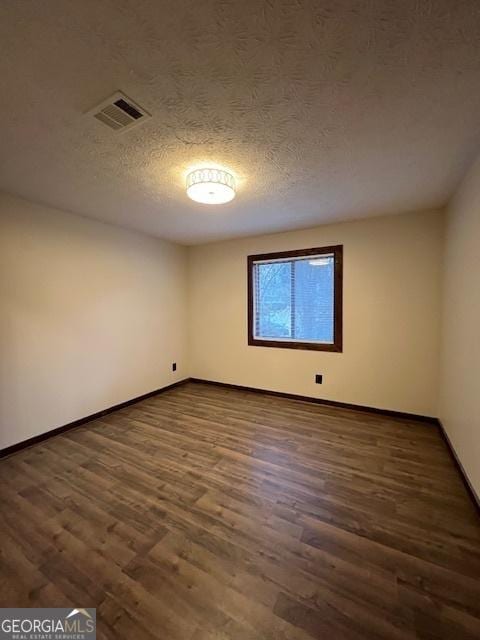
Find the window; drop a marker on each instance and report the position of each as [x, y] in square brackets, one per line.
[295, 299]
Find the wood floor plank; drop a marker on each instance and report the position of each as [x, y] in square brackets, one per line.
[213, 513]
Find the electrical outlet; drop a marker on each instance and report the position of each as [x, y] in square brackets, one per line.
[318, 378]
[174, 366]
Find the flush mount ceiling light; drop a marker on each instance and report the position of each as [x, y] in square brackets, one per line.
[210, 186]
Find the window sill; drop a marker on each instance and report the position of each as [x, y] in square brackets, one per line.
[285, 344]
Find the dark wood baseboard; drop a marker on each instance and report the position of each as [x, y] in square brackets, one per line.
[76, 423]
[330, 403]
[468, 485]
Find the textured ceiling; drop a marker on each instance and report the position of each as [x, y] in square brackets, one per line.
[325, 111]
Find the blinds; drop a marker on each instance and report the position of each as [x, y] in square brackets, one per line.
[294, 299]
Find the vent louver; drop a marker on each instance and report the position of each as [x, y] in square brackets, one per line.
[119, 112]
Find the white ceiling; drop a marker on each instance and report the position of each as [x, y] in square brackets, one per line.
[324, 110]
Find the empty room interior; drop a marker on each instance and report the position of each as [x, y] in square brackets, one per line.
[240, 314]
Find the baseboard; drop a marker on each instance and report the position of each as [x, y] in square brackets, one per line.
[468, 485]
[329, 403]
[76, 423]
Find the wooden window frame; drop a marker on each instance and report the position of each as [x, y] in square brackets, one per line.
[337, 344]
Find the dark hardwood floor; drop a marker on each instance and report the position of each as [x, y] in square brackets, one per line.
[207, 513]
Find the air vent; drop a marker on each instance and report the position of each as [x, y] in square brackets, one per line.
[119, 112]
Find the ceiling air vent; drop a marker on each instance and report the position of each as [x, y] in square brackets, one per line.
[119, 112]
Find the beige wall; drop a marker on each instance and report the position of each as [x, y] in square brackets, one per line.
[460, 377]
[91, 316]
[392, 271]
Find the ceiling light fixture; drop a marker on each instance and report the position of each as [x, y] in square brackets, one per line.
[210, 186]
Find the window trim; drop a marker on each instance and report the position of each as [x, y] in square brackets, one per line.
[337, 344]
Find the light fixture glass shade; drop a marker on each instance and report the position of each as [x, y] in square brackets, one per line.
[211, 186]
